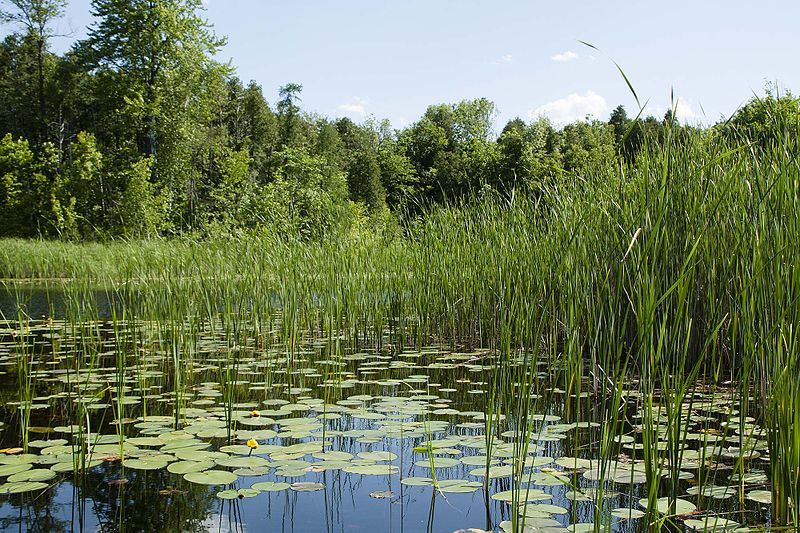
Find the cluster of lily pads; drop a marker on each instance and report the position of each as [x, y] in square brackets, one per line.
[266, 431]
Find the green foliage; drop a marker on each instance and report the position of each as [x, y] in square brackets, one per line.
[764, 118]
[587, 145]
[83, 189]
[361, 165]
[179, 144]
[308, 196]
[231, 199]
[35, 17]
[140, 212]
[528, 155]
[16, 162]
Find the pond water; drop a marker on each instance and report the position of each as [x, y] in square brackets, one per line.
[142, 426]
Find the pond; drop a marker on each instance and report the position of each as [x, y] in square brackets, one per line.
[135, 425]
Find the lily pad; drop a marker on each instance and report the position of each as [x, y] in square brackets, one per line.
[760, 496]
[10, 470]
[237, 494]
[185, 467]
[306, 486]
[22, 486]
[270, 486]
[38, 474]
[626, 513]
[378, 456]
[417, 481]
[210, 477]
[663, 506]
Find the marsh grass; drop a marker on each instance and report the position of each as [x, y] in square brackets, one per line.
[636, 287]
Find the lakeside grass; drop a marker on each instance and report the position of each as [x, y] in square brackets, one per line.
[679, 272]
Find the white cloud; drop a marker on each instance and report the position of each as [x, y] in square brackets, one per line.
[569, 55]
[572, 107]
[357, 107]
[684, 112]
[508, 58]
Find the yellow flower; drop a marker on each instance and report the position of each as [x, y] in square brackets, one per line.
[252, 444]
[255, 414]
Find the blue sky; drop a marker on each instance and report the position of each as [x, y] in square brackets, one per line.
[392, 59]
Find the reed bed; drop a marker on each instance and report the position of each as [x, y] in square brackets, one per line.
[647, 289]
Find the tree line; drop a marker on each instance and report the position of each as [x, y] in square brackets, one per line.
[137, 131]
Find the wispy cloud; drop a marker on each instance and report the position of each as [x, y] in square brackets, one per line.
[563, 57]
[684, 112]
[358, 106]
[572, 107]
[507, 58]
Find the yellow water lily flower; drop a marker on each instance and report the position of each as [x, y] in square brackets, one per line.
[255, 414]
[252, 444]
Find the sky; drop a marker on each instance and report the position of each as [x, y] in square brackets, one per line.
[391, 59]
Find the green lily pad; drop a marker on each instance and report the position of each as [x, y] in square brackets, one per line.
[306, 486]
[9, 470]
[253, 471]
[627, 514]
[378, 456]
[372, 470]
[38, 474]
[243, 462]
[478, 460]
[760, 496]
[237, 494]
[186, 467]
[145, 464]
[22, 486]
[534, 525]
[270, 486]
[47, 443]
[332, 456]
[210, 477]
[22, 459]
[663, 506]
[574, 463]
[544, 507]
[417, 481]
[712, 524]
[523, 494]
[191, 454]
[458, 486]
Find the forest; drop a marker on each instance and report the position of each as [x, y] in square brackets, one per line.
[138, 131]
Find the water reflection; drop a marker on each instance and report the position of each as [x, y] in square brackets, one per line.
[78, 377]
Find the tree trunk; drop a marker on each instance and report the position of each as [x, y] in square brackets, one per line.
[40, 65]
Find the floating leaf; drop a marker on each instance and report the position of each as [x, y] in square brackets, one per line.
[663, 506]
[417, 481]
[39, 474]
[238, 494]
[22, 486]
[760, 496]
[185, 467]
[210, 477]
[307, 486]
[8, 470]
[522, 494]
[626, 514]
[270, 486]
[378, 456]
